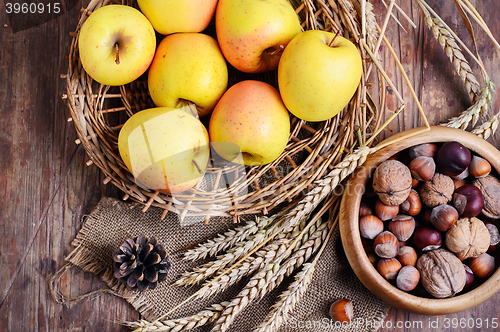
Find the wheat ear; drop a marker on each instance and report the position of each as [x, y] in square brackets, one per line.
[488, 128]
[204, 317]
[478, 109]
[247, 267]
[371, 26]
[260, 260]
[228, 239]
[454, 53]
[325, 186]
[234, 254]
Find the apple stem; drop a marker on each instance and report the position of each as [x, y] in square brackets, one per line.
[117, 51]
[334, 38]
[197, 167]
[275, 50]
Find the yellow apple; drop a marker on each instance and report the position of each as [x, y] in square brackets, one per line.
[252, 34]
[250, 125]
[188, 68]
[170, 16]
[317, 78]
[165, 149]
[116, 44]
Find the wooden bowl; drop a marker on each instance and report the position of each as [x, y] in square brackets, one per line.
[351, 240]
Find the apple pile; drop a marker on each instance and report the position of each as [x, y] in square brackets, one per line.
[167, 147]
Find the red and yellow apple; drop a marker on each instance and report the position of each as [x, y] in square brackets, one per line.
[170, 16]
[165, 149]
[253, 34]
[116, 44]
[318, 74]
[188, 68]
[250, 125]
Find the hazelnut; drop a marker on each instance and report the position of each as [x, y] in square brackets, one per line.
[438, 190]
[441, 273]
[392, 182]
[462, 176]
[364, 210]
[479, 167]
[427, 238]
[408, 278]
[342, 310]
[386, 212]
[468, 200]
[407, 255]
[414, 183]
[389, 268]
[386, 245]
[412, 205]
[422, 168]
[370, 226]
[402, 226]
[443, 217]
[373, 258]
[468, 237]
[490, 188]
[483, 265]
[424, 149]
[494, 233]
[458, 183]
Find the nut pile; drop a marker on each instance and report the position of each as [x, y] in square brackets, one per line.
[429, 221]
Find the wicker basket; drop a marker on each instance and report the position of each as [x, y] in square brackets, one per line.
[99, 111]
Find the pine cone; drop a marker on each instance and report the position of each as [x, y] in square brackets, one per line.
[141, 263]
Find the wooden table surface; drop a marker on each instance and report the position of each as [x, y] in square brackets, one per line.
[46, 186]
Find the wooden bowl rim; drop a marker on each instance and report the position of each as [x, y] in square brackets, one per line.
[351, 240]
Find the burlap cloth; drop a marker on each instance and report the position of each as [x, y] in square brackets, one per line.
[113, 221]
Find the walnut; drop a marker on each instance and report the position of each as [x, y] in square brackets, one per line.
[442, 273]
[490, 188]
[468, 237]
[392, 182]
[437, 191]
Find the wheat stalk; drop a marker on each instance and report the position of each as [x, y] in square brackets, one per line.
[228, 239]
[488, 128]
[478, 109]
[454, 53]
[204, 317]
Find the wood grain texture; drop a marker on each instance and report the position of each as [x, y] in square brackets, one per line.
[37, 143]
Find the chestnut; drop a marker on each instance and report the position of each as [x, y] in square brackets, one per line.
[402, 226]
[483, 265]
[407, 278]
[370, 226]
[422, 168]
[342, 311]
[452, 158]
[384, 211]
[389, 268]
[469, 278]
[412, 205]
[479, 167]
[407, 255]
[424, 149]
[386, 245]
[468, 200]
[427, 238]
[463, 175]
[443, 217]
